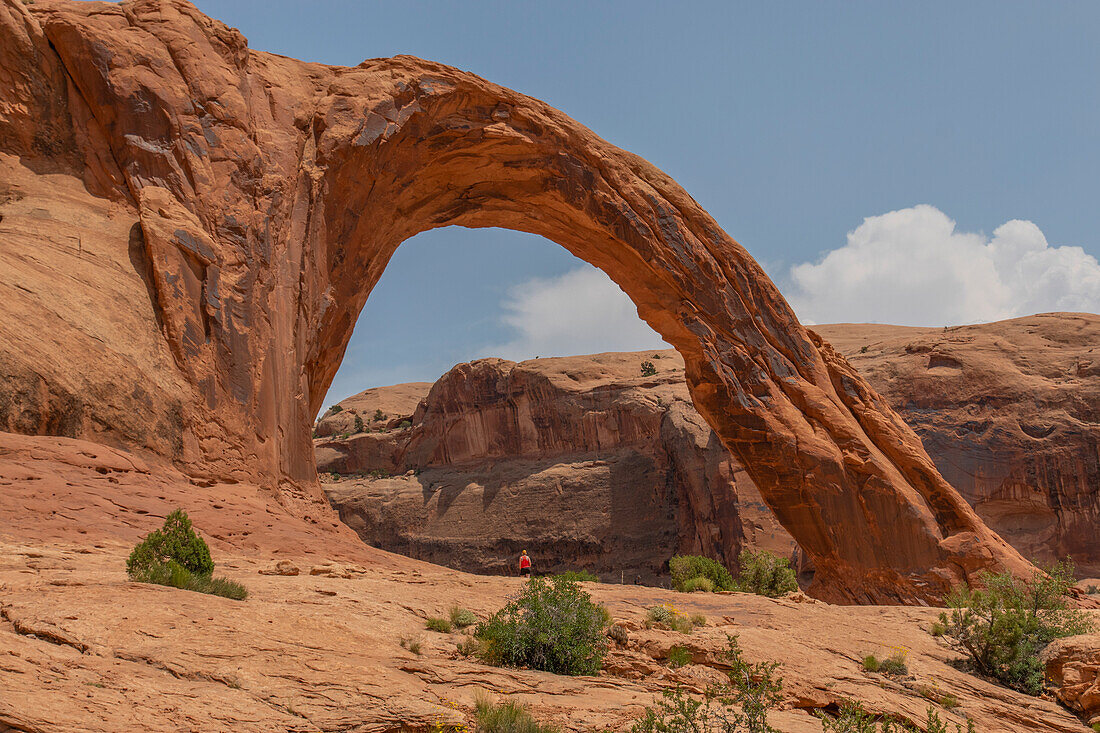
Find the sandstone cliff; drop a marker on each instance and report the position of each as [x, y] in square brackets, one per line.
[268, 195]
[582, 460]
[1010, 413]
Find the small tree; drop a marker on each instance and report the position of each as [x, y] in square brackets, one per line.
[765, 574]
[1003, 627]
[175, 541]
[379, 416]
[648, 369]
[359, 426]
[552, 625]
[752, 687]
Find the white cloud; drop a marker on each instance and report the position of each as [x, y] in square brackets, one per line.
[911, 267]
[580, 312]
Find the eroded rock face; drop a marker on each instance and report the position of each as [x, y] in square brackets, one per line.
[549, 427]
[271, 193]
[1009, 412]
[580, 460]
[1073, 668]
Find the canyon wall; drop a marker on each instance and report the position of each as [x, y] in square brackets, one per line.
[581, 459]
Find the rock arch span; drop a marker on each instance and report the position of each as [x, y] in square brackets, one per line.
[271, 193]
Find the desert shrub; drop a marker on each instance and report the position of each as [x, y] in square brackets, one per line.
[895, 664]
[175, 575]
[765, 574]
[742, 703]
[413, 645]
[604, 615]
[359, 426]
[462, 617]
[685, 567]
[468, 646]
[175, 541]
[666, 616]
[1003, 627]
[1092, 590]
[648, 369]
[679, 656]
[437, 623]
[176, 556]
[698, 584]
[506, 717]
[870, 663]
[618, 635]
[552, 625]
[405, 424]
[379, 416]
[932, 693]
[853, 718]
[698, 619]
[580, 576]
[938, 629]
[335, 409]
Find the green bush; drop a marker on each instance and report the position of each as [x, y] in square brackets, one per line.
[765, 574]
[648, 369]
[870, 663]
[679, 656]
[686, 567]
[668, 617]
[552, 625]
[462, 617]
[175, 541]
[740, 704]
[698, 584]
[1003, 627]
[853, 718]
[335, 409]
[359, 426]
[435, 623]
[580, 576]
[405, 424]
[895, 664]
[506, 717]
[175, 575]
[379, 416]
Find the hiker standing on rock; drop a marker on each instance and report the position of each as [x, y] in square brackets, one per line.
[524, 564]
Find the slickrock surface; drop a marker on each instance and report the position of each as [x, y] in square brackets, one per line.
[270, 195]
[580, 460]
[82, 648]
[538, 455]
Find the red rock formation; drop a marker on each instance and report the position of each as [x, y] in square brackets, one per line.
[271, 194]
[580, 460]
[1009, 412]
[1040, 489]
[1073, 668]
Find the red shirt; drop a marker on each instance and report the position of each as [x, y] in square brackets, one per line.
[524, 562]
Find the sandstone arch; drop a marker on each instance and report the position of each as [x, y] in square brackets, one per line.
[271, 193]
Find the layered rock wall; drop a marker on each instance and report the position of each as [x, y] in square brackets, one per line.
[1008, 411]
[582, 461]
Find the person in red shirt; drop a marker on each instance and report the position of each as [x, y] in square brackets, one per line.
[524, 564]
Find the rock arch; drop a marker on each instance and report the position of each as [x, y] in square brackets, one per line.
[271, 194]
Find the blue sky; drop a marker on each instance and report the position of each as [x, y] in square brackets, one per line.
[966, 135]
